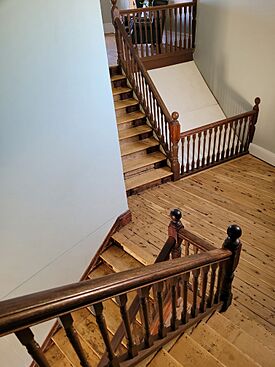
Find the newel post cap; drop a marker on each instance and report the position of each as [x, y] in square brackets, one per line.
[175, 215]
[234, 232]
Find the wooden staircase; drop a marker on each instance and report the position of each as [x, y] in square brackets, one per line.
[144, 165]
[224, 340]
[60, 353]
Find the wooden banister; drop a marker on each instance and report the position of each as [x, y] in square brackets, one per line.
[154, 8]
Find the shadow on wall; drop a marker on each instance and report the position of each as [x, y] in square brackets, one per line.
[211, 60]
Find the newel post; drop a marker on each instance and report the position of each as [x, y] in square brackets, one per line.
[175, 138]
[173, 231]
[116, 14]
[253, 123]
[233, 244]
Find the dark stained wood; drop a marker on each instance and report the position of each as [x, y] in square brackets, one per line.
[67, 323]
[26, 338]
[144, 295]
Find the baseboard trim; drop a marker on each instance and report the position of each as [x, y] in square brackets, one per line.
[120, 222]
[262, 153]
[108, 28]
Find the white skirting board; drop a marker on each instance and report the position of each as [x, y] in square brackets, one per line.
[108, 28]
[262, 154]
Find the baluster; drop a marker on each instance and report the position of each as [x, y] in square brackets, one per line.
[229, 139]
[162, 332]
[100, 319]
[67, 323]
[187, 248]
[174, 283]
[185, 30]
[209, 146]
[199, 150]
[144, 294]
[219, 143]
[162, 127]
[161, 25]
[233, 244]
[26, 338]
[243, 133]
[188, 154]
[175, 138]
[135, 30]
[132, 348]
[224, 140]
[170, 29]
[165, 31]
[180, 14]
[234, 133]
[182, 154]
[194, 309]
[185, 282]
[156, 16]
[204, 148]
[214, 146]
[205, 271]
[151, 17]
[238, 145]
[146, 34]
[237, 137]
[194, 151]
[194, 23]
[140, 35]
[189, 27]
[210, 299]
[176, 28]
[218, 286]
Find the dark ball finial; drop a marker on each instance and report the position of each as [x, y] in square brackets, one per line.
[175, 215]
[257, 100]
[234, 232]
[175, 115]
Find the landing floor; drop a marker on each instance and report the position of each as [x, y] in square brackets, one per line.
[241, 191]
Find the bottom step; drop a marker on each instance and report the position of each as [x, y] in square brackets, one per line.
[147, 179]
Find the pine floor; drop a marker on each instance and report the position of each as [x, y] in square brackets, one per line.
[241, 191]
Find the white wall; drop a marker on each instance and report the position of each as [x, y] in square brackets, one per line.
[106, 6]
[61, 181]
[236, 55]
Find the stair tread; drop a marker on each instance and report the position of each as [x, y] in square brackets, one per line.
[123, 103]
[189, 353]
[86, 325]
[152, 158]
[220, 347]
[119, 260]
[56, 357]
[251, 327]
[134, 131]
[134, 249]
[100, 271]
[164, 359]
[117, 77]
[147, 177]
[137, 146]
[131, 116]
[62, 342]
[242, 340]
[118, 90]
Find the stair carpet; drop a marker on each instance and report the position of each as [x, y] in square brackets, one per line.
[144, 165]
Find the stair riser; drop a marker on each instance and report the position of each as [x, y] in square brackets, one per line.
[147, 186]
[130, 124]
[122, 111]
[145, 169]
[140, 154]
[135, 138]
[123, 95]
[114, 70]
[119, 83]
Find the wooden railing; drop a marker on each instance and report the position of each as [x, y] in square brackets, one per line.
[217, 142]
[164, 30]
[203, 283]
[165, 126]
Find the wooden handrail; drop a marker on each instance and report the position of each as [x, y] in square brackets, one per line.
[203, 245]
[154, 8]
[143, 70]
[217, 123]
[25, 311]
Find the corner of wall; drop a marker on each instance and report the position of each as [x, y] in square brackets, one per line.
[262, 153]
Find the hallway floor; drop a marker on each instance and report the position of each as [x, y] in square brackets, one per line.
[240, 191]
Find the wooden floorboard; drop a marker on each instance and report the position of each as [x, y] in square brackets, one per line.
[241, 191]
